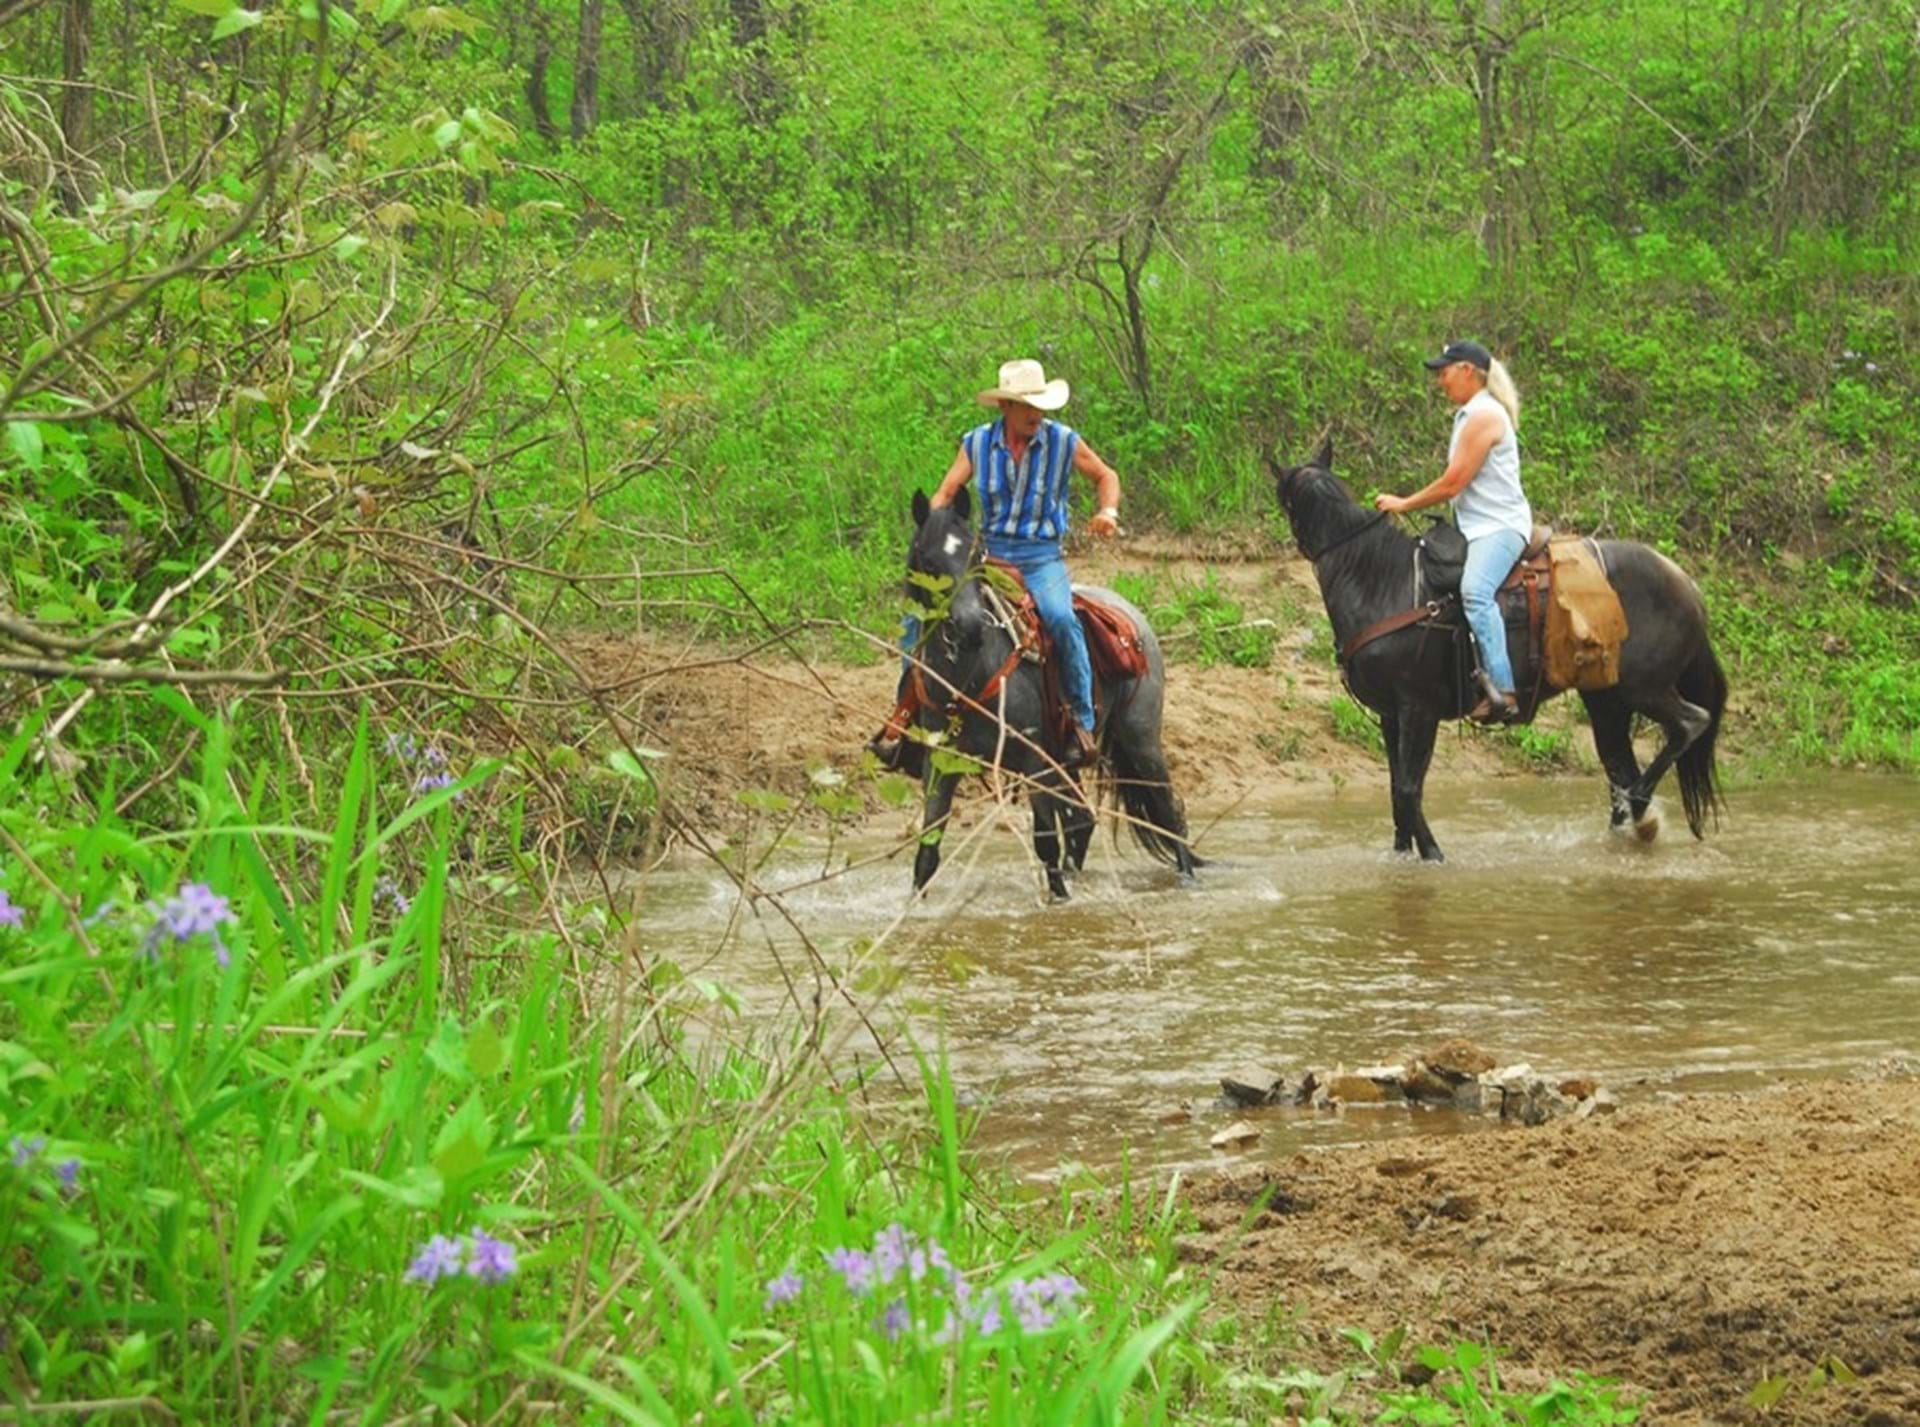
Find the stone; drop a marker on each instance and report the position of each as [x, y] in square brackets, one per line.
[1578, 1088]
[1509, 1075]
[1253, 1085]
[1470, 1095]
[1238, 1133]
[1179, 1115]
[1457, 1060]
[1421, 1083]
[1600, 1102]
[1357, 1090]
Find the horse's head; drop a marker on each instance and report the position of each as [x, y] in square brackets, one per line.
[1300, 487]
[939, 560]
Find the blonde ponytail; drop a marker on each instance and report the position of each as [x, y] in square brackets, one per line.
[1501, 388]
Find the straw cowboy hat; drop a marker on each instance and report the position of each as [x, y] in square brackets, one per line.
[1025, 380]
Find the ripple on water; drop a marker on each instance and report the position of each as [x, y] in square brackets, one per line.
[1781, 944]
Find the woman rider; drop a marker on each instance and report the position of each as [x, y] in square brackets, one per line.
[1021, 464]
[1482, 480]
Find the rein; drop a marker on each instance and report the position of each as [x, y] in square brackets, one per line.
[1025, 640]
[1314, 556]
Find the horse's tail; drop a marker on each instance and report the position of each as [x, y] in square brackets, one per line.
[1153, 810]
[1702, 683]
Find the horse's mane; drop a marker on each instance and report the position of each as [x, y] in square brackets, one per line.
[1325, 517]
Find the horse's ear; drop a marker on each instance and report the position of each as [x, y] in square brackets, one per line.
[963, 503]
[1324, 457]
[922, 507]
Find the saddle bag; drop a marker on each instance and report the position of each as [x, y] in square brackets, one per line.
[1443, 558]
[1585, 625]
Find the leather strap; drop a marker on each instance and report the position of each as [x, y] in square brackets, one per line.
[1381, 628]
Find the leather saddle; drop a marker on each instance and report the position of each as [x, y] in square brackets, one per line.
[1113, 640]
[1442, 553]
[1114, 648]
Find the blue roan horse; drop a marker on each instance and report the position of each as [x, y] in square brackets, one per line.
[1668, 672]
[963, 653]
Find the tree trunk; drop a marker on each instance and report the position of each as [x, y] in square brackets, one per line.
[585, 109]
[76, 102]
[537, 73]
[1486, 74]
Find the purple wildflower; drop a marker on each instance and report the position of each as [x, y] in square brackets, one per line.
[68, 1173]
[491, 1260]
[784, 1289]
[98, 915]
[439, 1259]
[197, 908]
[431, 783]
[401, 745]
[895, 1320]
[387, 890]
[432, 757]
[25, 1151]
[854, 1267]
[10, 915]
[891, 1247]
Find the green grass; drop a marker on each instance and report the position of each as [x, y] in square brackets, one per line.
[231, 1138]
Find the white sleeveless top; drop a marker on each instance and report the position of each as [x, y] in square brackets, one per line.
[1493, 499]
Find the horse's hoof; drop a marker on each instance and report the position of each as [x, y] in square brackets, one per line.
[1647, 828]
[1433, 855]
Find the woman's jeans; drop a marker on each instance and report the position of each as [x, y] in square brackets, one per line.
[1045, 573]
[1489, 558]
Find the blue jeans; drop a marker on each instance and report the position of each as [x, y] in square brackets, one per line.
[1489, 558]
[1040, 565]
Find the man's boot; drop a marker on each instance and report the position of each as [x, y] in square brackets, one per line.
[1081, 751]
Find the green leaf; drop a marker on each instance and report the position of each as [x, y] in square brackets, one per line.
[763, 800]
[621, 761]
[24, 438]
[236, 20]
[212, 9]
[896, 790]
[486, 1051]
[1768, 1391]
[347, 245]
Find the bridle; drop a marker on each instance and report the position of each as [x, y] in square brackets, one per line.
[1313, 556]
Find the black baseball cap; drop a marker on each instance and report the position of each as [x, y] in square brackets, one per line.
[1470, 352]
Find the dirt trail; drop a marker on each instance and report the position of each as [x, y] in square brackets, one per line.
[1689, 1249]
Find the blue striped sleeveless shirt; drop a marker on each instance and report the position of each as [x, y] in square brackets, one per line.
[1025, 499]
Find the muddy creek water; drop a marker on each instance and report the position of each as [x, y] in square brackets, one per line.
[1786, 944]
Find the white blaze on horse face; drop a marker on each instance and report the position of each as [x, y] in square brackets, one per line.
[954, 542]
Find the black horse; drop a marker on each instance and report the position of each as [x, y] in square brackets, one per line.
[1412, 678]
[992, 704]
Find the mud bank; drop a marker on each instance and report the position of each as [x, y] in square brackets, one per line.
[1691, 1249]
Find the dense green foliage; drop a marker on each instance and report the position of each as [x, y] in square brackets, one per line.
[728, 308]
[355, 359]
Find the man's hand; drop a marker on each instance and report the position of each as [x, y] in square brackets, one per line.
[1392, 504]
[1104, 523]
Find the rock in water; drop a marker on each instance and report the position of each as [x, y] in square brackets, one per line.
[1253, 1085]
[1356, 1090]
[1236, 1134]
[1458, 1060]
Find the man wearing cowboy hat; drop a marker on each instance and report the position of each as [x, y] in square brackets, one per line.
[1021, 465]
